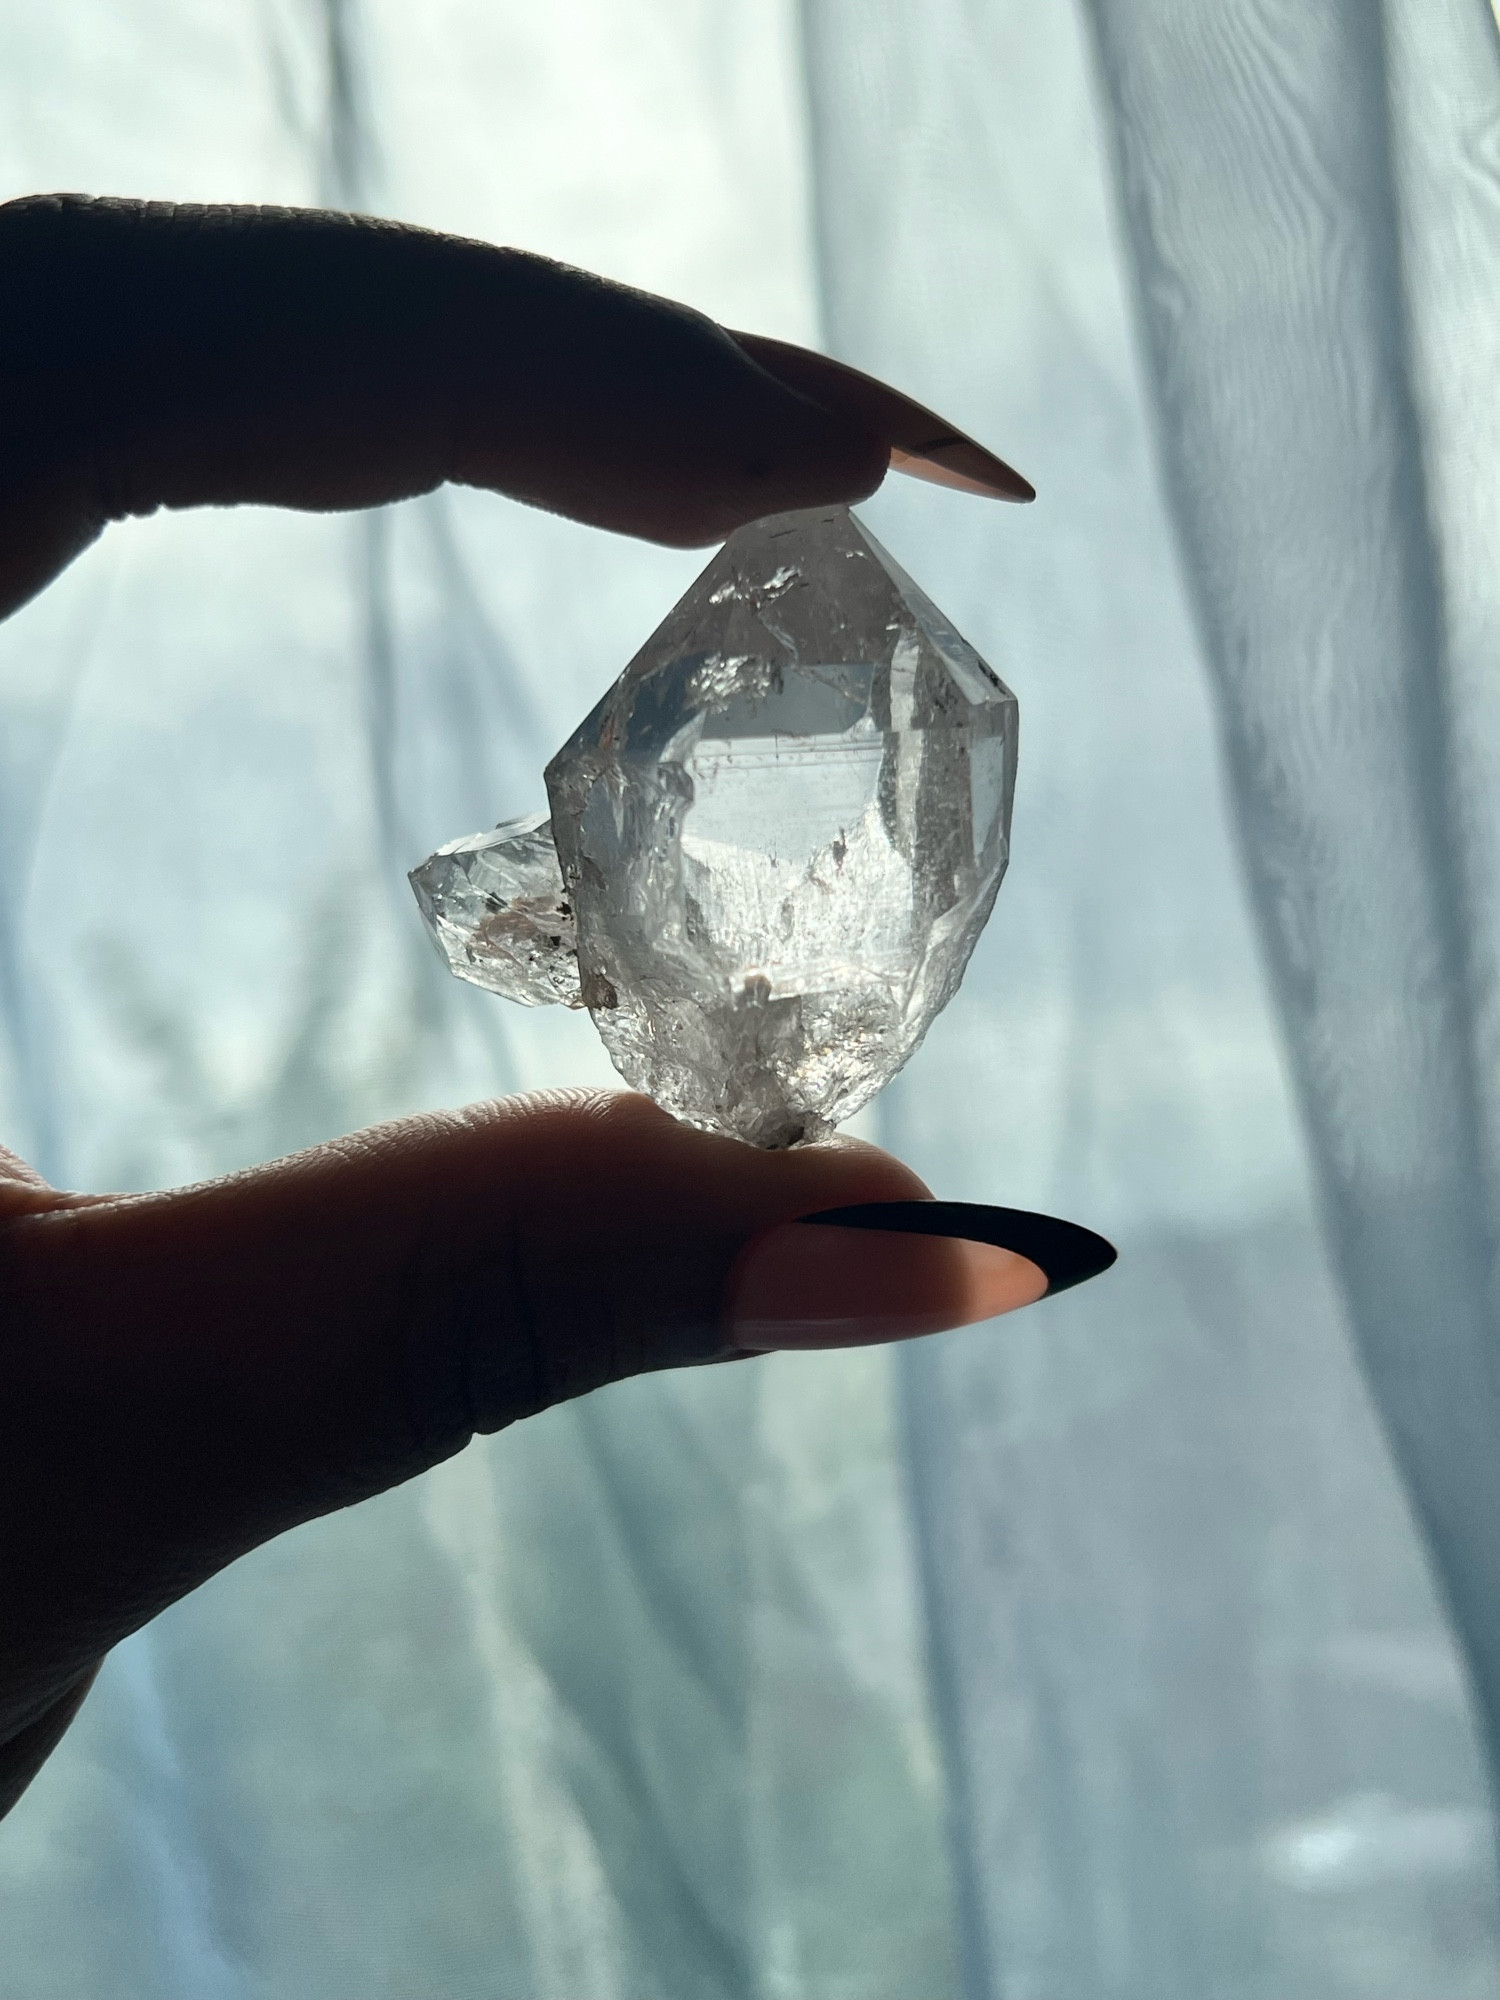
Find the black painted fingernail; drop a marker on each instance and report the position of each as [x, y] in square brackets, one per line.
[1066, 1253]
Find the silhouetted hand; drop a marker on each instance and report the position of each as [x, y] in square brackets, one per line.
[183, 1375]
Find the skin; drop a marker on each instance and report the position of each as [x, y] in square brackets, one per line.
[184, 1375]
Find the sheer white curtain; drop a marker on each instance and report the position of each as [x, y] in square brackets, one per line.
[1329, 416]
[1210, 1733]
[1092, 1654]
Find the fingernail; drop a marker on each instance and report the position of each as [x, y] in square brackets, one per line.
[890, 1270]
[920, 442]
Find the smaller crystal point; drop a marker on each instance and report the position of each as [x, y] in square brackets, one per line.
[499, 914]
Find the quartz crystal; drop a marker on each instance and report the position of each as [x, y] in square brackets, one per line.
[779, 835]
[496, 905]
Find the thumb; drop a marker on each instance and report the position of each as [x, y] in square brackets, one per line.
[187, 1374]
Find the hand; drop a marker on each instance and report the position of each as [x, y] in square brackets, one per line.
[183, 1375]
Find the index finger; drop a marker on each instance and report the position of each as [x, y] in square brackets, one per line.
[153, 355]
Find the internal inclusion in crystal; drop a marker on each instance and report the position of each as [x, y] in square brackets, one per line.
[496, 907]
[772, 845]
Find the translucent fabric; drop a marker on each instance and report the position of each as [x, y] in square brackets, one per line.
[1210, 1734]
[1092, 1655]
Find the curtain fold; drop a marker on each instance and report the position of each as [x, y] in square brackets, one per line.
[1169, 1572]
[1339, 548]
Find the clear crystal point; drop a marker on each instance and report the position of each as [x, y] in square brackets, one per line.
[497, 910]
[782, 830]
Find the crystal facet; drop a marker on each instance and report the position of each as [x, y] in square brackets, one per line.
[496, 906]
[780, 833]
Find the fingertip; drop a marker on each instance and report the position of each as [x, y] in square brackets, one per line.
[860, 1160]
[829, 455]
[913, 439]
[751, 447]
[630, 1141]
[804, 453]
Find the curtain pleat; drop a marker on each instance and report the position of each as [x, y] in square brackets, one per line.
[1179, 1607]
[1339, 535]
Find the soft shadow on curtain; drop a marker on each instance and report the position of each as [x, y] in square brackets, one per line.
[1091, 1655]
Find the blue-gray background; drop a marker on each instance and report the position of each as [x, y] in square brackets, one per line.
[1095, 1655]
